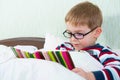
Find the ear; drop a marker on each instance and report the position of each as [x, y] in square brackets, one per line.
[98, 32]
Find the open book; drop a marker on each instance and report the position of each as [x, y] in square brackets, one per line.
[69, 59]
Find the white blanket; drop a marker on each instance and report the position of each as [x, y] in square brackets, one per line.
[34, 69]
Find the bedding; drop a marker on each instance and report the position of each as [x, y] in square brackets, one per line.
[12, 68]
[29, 48]
[51, 40]
[34, 69]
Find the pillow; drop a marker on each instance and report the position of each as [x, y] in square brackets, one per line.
[6, 53]
[28, 48]
[51, 42]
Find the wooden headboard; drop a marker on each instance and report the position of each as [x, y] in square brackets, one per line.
[35, 41]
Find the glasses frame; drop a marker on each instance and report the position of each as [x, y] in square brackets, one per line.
[81, 34]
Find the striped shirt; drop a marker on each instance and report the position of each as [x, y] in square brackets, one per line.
[109, 59]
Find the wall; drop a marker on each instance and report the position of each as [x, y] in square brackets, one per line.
[21, 18]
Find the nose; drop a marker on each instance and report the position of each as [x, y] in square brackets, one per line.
[73, 38]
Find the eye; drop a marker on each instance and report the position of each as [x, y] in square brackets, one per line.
[67, 34]
[79, 35]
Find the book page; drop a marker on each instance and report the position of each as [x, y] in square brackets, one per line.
[85, 61]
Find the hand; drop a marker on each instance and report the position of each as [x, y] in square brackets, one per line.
[86, 75]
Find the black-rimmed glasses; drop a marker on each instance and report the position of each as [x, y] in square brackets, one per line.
[68, 34]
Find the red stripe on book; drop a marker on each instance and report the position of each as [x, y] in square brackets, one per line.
[39, 55]
[68, 59]
[19, 53]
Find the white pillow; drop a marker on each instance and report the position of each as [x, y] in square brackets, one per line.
[6, 53]
[29, 48]
[51, 42]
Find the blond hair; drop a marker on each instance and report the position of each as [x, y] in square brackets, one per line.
[85, 13]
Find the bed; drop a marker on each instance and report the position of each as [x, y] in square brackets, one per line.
[12, 68]
[35, 41]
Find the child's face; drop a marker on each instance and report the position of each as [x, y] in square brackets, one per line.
[87, 40]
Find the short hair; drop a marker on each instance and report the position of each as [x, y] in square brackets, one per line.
[85, 13]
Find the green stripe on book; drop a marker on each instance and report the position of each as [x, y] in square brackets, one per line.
[31, 55]
[34, 55]
[52, 56]
[14, 51]
[27, 54]
[58, 53]
[63, 59]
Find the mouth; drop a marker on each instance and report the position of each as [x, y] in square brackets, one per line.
[75, 45]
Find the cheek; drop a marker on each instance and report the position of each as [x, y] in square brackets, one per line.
[89, 41]
[86, 42]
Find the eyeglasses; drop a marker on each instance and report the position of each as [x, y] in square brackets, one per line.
[68, 34]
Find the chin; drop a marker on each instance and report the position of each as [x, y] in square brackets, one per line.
[76, 48]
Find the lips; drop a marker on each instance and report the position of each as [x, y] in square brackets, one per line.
[75, 45]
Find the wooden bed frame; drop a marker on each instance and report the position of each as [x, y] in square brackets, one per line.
[35, 41]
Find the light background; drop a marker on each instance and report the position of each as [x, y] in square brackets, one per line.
[35, 18]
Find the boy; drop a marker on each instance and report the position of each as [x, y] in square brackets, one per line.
[83, 28]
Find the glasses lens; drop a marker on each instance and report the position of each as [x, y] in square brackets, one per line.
[67, 34]
[78, 35]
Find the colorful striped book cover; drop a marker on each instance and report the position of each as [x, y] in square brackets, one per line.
[62, 57]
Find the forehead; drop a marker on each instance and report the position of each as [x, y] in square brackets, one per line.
[78, 28]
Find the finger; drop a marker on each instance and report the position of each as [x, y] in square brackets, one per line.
[76, 70]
